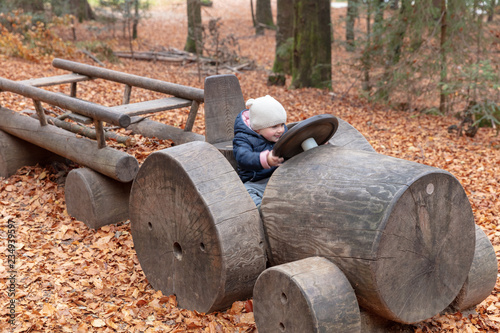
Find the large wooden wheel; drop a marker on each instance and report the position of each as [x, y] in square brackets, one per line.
[402, 232]
[196, 231]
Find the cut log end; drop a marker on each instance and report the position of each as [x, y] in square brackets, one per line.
[196, 231]
[309, 295]
[95, 199]
[426, 248]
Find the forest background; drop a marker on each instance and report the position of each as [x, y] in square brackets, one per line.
[422, 97]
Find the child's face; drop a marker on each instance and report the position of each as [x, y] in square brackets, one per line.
[272, 133]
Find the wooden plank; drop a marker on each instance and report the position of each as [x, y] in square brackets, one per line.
[54, 80]
[223, 102]
[157, 105]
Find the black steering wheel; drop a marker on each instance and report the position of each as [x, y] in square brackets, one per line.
[305, 135]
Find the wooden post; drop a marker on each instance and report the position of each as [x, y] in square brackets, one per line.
[196, 231]
[95, 199]
[402, 232]
[110, 162]
[40, 112]
[308, 295]
[192, 116]
[126, 94]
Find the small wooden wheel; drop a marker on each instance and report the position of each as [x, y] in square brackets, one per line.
[307, 134]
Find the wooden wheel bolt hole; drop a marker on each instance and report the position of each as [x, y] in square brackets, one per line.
[430, 188]
[150, 226]
[202, 247]
[284, 298]
[282, 327]
[177, 251]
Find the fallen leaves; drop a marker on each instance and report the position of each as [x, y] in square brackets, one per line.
[73, 279]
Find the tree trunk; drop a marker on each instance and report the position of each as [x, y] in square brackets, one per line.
[263, 16]
[352, 14]
[491, 10]
[284, 38]
[194, 41]
[136, 19]
[443, 58]
[396, 38]
[312, 56]
[401, 232]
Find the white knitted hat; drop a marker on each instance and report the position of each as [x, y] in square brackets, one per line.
[265, 112]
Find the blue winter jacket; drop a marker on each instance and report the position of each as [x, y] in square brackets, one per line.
[247, 146]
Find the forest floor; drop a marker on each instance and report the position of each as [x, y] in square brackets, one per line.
[70, 278]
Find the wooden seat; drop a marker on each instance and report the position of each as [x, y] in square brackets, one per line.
[164, 104]
[55, 80]
[223, 102]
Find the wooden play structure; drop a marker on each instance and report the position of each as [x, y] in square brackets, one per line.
[347, 240]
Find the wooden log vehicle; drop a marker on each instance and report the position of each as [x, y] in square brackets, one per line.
[402, 232]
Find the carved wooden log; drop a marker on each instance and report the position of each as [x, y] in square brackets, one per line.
[349, 137]
[150, 128]
[402, 232]
[110, 162]
[308, 295]
[16, 153]
[196, 231]
[95, 199]
[482, 275]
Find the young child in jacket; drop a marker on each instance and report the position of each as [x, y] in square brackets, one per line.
[256, 130]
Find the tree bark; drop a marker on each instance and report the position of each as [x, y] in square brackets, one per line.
[263, 16]
[352, 14]
[312, 56]
[443, 58]
[284, 38]
[194, 41]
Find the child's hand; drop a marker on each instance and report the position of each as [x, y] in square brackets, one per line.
[274, 160]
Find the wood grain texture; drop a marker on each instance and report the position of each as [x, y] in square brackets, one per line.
[223, 102]
[196, 231]
[308, 295]
[150, 128]
[110, 162]
[402, 232]
[349, 137]
[482, 275]
[16, 153]
[95, 199]
[55, 80]
[162, 104]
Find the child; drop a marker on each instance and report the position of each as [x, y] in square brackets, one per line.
[256, 130]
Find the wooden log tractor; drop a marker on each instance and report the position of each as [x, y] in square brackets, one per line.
[340, 224]
[401, 233]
